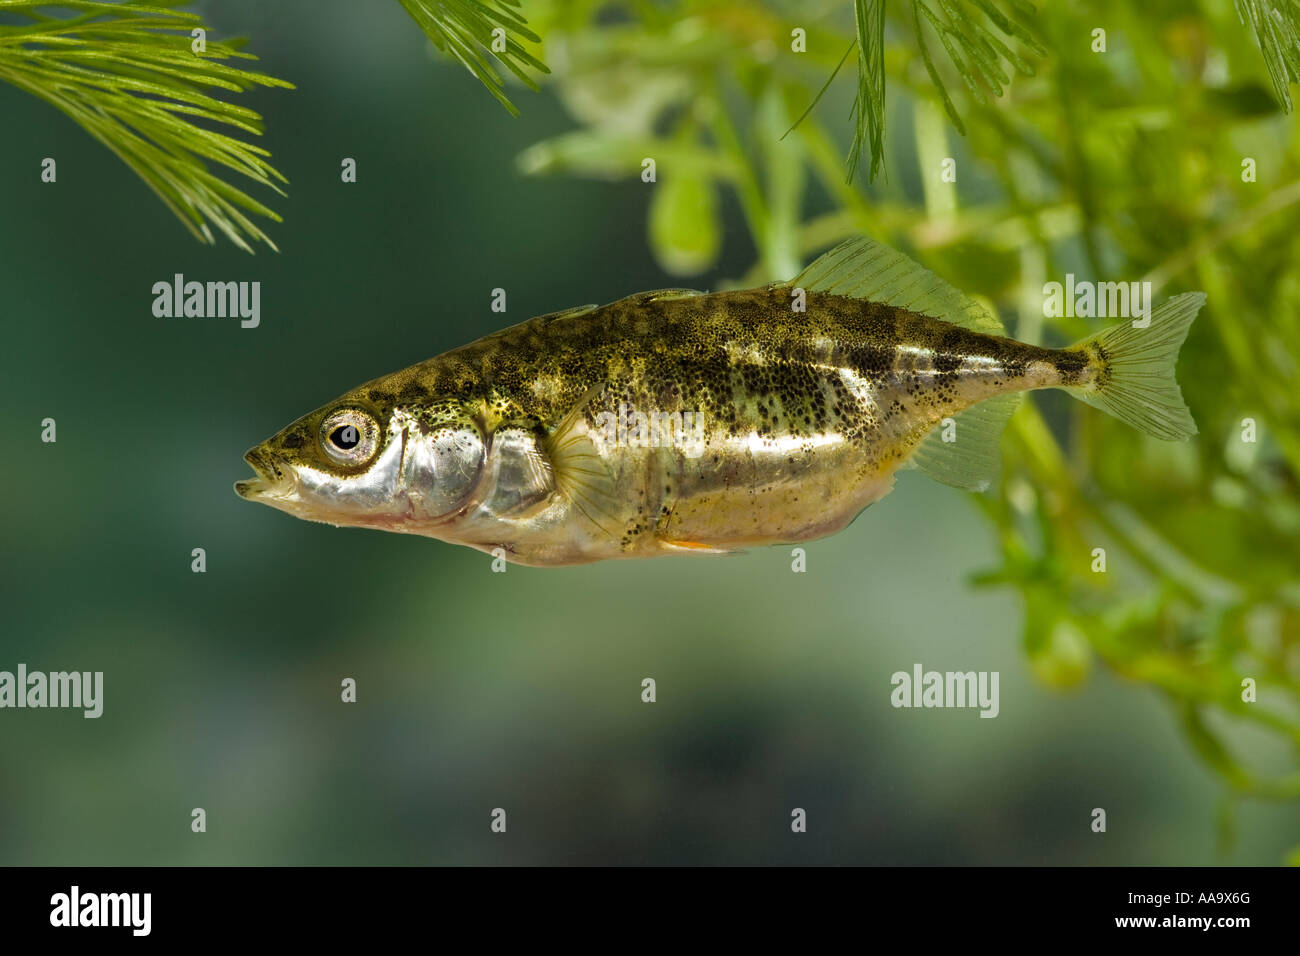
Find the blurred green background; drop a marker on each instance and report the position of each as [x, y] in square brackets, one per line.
[521, 690]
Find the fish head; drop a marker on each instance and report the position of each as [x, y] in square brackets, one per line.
[364, 463]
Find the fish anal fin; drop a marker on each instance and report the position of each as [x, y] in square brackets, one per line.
[966, 452]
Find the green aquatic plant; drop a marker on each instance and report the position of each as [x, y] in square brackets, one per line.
[463, 30]
[1158, 155]
[1276, 26]
[143, 80]
[975, 52]
[984, 42]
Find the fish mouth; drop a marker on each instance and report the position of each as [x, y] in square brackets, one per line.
[267, 478]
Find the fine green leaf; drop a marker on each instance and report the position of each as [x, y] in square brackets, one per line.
[869, 105]
[968, 31]
[822, 92]
[974, 49]
[1276, 25]
[128, 75]
[463, 29]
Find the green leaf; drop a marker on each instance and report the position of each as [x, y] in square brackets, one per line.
[822, 92]
[613, 155]
[1211, 749]
[1058, 651]
[463, 30]
[1276, 26]
[127, 74]
[869, 105]
[1249, 101]
[685, 232]
[975, 51]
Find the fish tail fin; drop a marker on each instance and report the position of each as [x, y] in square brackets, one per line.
[1133, 370]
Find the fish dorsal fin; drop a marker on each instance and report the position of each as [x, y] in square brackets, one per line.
[565, 313]
[864, 269]
[538, 322]
[581, 473]
[972, 457]
[663, 295]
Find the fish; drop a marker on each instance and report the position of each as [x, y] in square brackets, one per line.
[682, 422]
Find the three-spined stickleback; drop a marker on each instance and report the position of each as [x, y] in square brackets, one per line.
[685, 422]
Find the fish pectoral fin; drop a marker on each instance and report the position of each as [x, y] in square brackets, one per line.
[966, 453]
[695, 547]
[864, 269]
[582, 474]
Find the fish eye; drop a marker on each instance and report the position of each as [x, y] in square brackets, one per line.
[349, 436]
